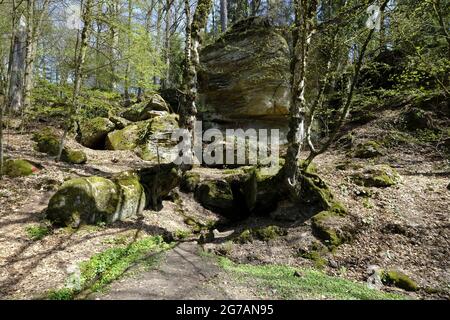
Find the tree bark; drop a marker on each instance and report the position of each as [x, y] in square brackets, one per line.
[79, 73]
[17, 61]
[303, 31]
[192, 62]
[223, 15]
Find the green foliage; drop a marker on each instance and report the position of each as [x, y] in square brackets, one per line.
[109, 265]
[280, 282]
[37, 232]
[264, 234]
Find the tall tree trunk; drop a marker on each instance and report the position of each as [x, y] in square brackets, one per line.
[166, 82]
[34, 23]
[303, 31]
[114, 42]
[79, 72]
[192, 62]
[17, 68]
[127, 67]
[223, 15]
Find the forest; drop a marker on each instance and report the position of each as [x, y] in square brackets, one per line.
[224, 150]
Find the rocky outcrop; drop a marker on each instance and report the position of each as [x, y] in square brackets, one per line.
[150, 139]
[152, 107]
[94, 131]
[96, 199]
[245, 74]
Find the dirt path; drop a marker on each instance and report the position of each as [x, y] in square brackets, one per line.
[183, 274]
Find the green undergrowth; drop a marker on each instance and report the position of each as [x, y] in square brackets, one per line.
[109, 265]
[284, 282]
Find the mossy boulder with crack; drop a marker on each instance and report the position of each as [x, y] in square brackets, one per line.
[149, 139]
[158, 182]
[47, 141]
[398, 279]
[152, 107]
[217, 196]
[96, 199]
[368, 149]
[119, 122]
[18, 168]
[94, 131]
[380, 176]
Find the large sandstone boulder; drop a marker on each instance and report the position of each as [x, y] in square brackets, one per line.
[152, 107]
[94, 132]
[245, 74]
[97, 199]
[149, 138]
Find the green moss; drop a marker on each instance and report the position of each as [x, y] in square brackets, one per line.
[37, 232]
[269, 233]
[84, 200]
[368, 149]
[264, 234]
[319, 195]
[215, 195]
[181, 234]
[189, 181]
[74, 156]
[279, 282]
[317, 258]
[111, 264]
[47, 141]
[94, 132]
[379, 176]
[324, 226]
[398, 279]
[18, 168]
[246, 236]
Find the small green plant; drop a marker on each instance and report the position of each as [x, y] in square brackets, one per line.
[37, 232]
[181, 234]
[109, 265]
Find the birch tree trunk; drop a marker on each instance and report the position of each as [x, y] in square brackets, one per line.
[127, 67]
[80, 59]
[303, 31]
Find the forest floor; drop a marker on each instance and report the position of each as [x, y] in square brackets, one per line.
[405, 227]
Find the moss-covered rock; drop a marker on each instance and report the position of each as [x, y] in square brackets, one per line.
[264, 234]
[132, 195]
[18, 168]
[159, 181]
[368, 149]
[216, 195]
[332, 228]
[190, 181]
[380, 176]
[125, 139]
[47, 141]
[398, 279]
[119, 122]
[152, 107]
[84, 201]
[74, 156]
[316, 196]
[150, 139]
[94, 132]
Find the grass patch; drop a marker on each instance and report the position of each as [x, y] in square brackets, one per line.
[279, 282]
[109, 265]
[36, 233]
